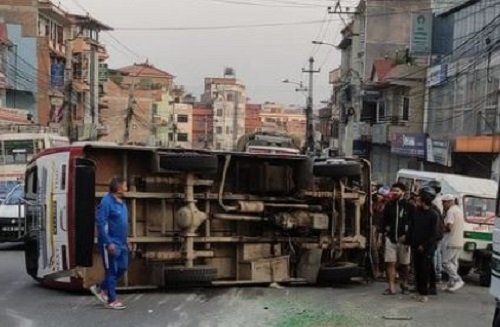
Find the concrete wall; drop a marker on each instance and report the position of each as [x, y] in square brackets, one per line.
[202, 127]
[388, 28]
[385, 165]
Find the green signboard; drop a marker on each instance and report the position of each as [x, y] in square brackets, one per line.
[421, 33]
[103, 72]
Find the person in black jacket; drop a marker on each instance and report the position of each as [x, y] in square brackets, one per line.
[397, 215]
[422, 237]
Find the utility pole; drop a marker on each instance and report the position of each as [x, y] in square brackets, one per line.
[68, 92]
[206, 131]
[130, 113]
[93, 92]
[310, 142]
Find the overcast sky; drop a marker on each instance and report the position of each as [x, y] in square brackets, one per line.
[261, 57]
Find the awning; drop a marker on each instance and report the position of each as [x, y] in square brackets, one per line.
[478, 144]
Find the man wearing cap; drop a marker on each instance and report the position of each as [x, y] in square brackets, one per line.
[453, 241]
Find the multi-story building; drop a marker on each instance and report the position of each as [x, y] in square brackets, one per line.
[54, 29]
[379, 78]
[182, 134]
[139, 108]
[43, 38]
[88, 57]
[252, 117]
[145, 76]
[396, 135]
[202, 126]
[22, 84]
[227, 97]
[462, 114]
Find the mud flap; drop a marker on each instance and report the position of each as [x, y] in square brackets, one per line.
[309, 264]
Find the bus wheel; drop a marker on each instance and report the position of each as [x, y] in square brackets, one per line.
[337, 169]
[187, 162]
[196, 274]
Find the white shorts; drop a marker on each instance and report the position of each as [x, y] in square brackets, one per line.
[398, 253]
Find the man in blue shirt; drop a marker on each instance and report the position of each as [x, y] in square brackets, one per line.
[112, 229]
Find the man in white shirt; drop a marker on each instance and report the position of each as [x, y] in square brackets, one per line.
[453, 241]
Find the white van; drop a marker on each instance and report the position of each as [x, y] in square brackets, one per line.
[476, 197]
[12, 215]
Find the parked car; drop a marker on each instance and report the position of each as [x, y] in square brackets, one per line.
[12, 215]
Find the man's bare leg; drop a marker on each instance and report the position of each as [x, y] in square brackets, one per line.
[391, 276]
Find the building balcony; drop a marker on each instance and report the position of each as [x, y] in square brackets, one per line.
[58, 49]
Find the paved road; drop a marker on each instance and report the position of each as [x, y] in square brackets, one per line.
[24, 303]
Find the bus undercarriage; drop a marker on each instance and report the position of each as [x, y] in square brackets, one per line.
[200, 217]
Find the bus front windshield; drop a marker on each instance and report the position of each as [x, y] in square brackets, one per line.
[479, 210]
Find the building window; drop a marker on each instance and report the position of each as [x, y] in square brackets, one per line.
[182, 118]
[182, 137]
[60, 35]
[405, 116]
[219, 112]
[218, 130]
[381, 111]
[154, 109]
[170, 137]
[218, 146]
[230, 97]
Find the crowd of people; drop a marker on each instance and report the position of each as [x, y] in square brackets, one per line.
[417, 233]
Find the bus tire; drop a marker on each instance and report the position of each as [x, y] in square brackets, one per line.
[188, 162]
[196, 274]
[341, 272]
[337, 169]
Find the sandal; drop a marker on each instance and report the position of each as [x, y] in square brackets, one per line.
[388, 292]
[404, 289]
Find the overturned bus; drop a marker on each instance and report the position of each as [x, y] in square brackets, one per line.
[215, 218]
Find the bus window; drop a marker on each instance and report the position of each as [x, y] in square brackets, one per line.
[18, 151]
[479, 210]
